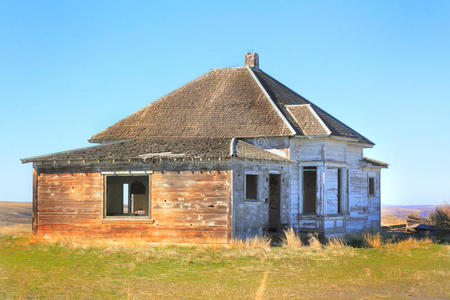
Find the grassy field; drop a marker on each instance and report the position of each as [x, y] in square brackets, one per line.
[409, 269]
[68, 268]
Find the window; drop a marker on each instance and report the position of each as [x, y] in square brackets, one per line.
[309, 190]
[251, 187]
[127, 196]
[339, 191]
[371, 186]
[335, 190]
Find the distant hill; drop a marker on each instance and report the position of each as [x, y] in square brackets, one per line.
[12, 213]
[396, 214]
[15, 213]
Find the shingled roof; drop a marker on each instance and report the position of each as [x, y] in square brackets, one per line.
[284, 96]
[164, 148]
[225, 103]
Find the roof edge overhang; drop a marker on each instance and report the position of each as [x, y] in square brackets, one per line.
[151, 157]
[351, 141]
[33, 158]
[373, 163]
[181, 160]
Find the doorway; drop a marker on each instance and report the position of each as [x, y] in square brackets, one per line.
[274, 202]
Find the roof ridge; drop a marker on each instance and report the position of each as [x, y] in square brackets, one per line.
[358, 136]
[319, 118]
[276, 108]
[285, 86]
[343, 124]
[289, 109]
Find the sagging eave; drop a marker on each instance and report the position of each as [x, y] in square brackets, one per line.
[36, 157]
[195, 161]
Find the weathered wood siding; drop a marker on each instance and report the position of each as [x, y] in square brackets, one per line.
[199, 203]
[70, 203]
[252, 217]
[358, 210]
[191, 207]
[332, 191]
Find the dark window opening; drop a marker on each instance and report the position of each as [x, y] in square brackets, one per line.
[251, 187]
[127, 196]
[371, 186]
[309, 190]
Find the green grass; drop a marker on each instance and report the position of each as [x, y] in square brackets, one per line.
[42, 271]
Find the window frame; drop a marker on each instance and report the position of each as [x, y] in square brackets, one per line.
[374, 194]
[258, 183]
[343, 179]
[146, 216]
[315, 213]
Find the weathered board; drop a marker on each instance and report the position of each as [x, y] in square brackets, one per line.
[186, 207]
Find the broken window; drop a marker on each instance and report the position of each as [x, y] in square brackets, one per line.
[127, 196]
[251, 187]
[371, 186]
[309, 190]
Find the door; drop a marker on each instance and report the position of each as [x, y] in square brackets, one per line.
[274, 202]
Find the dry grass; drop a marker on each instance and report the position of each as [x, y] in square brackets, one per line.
[336, 243]
[373, 240]
[18, 230]
[291, 239]
[93, 243]
[411, 243]
[257, 242]
[314, 243]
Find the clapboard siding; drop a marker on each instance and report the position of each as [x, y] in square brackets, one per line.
[69, 199]
[186, 207]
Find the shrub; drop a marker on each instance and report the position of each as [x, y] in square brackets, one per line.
[440, 217]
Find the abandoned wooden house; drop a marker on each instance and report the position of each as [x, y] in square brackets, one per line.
[231, 154]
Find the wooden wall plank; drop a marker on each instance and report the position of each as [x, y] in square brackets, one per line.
[186, 207]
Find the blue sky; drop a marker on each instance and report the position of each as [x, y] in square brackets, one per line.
[70, 69]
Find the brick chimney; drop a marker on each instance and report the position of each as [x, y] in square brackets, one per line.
[252, 59]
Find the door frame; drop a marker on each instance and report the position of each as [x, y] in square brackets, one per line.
[278, 225]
